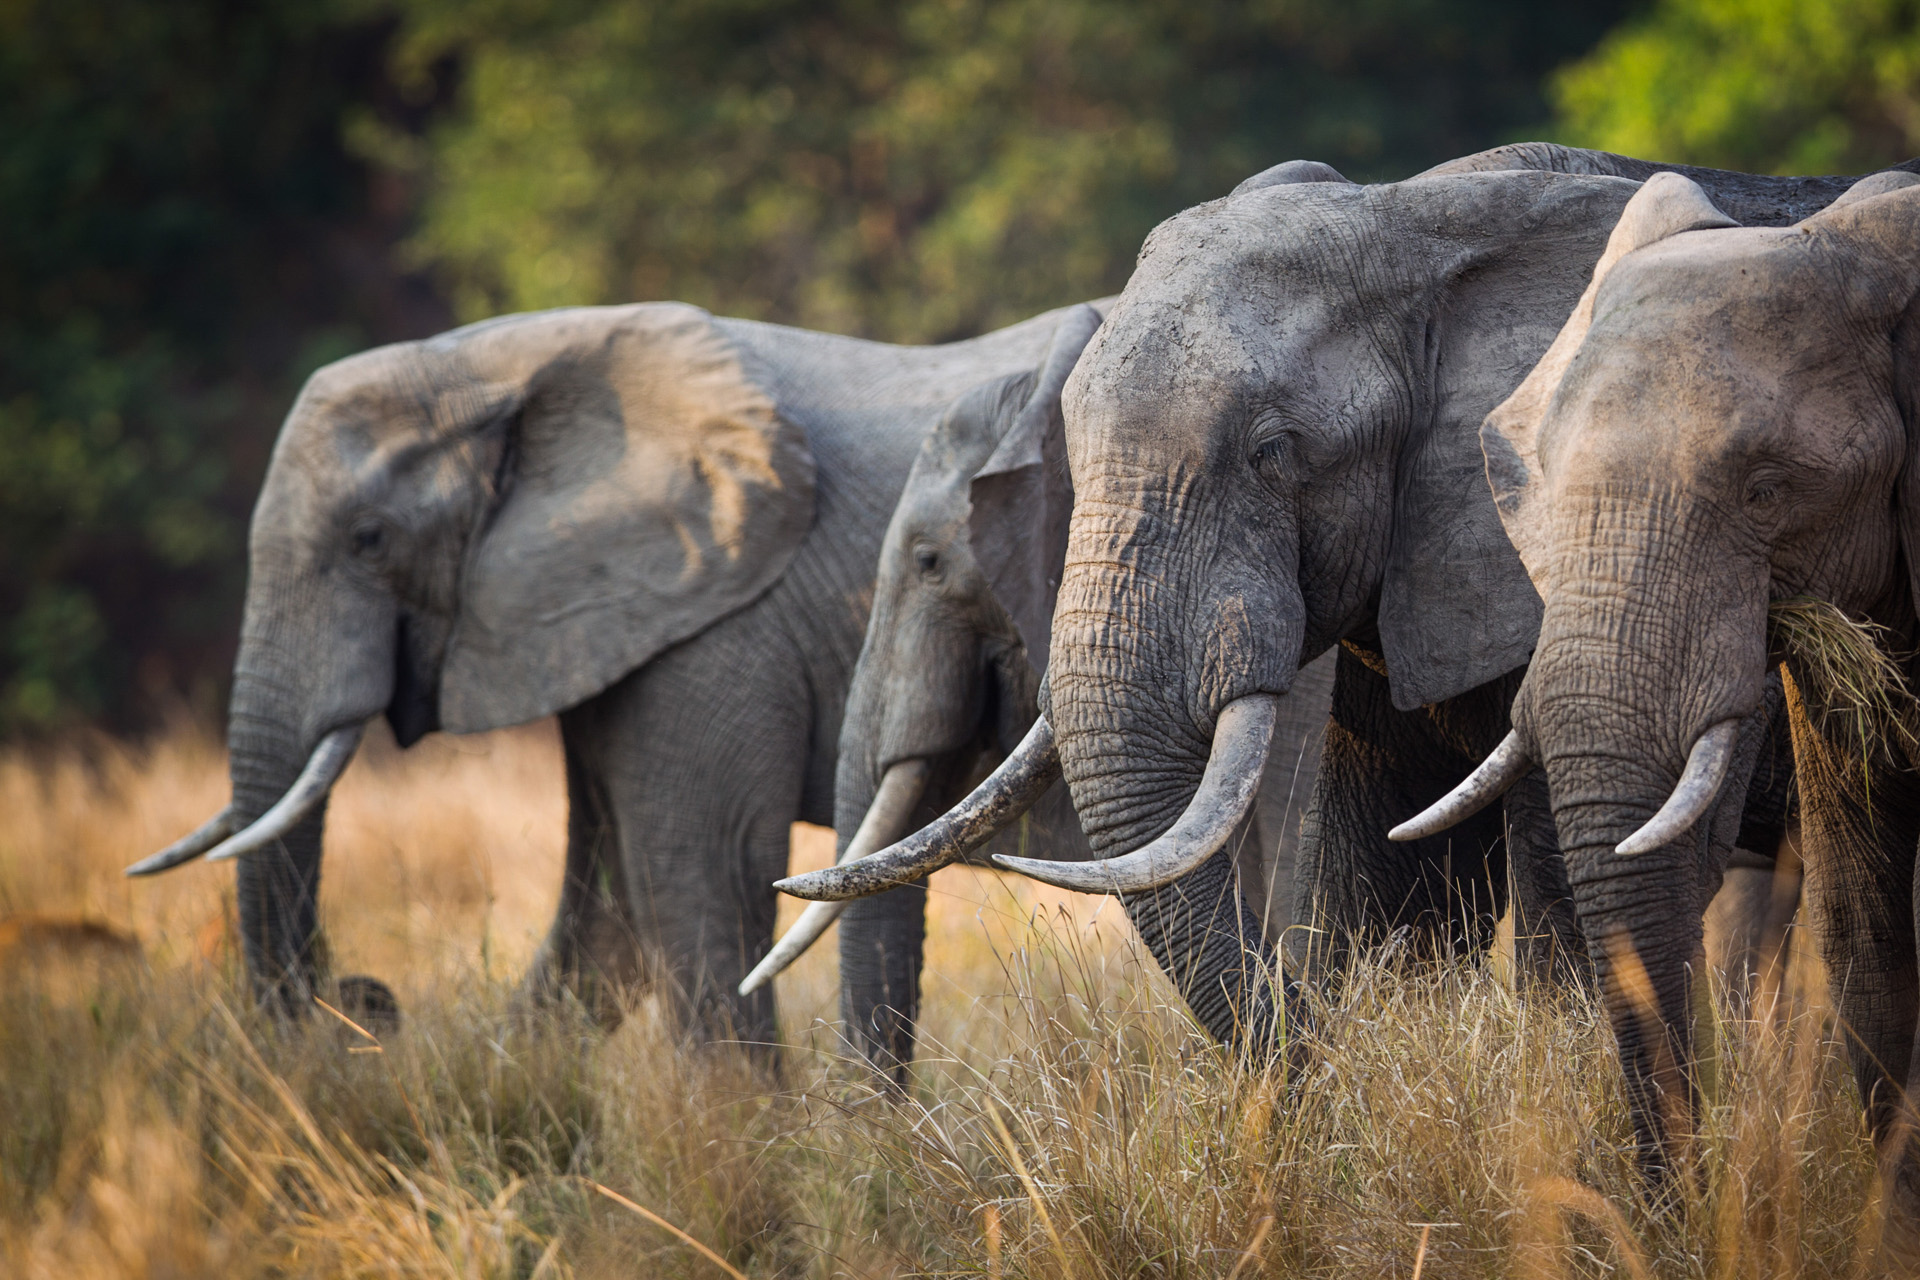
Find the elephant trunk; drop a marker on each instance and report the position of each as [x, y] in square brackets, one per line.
[314, 666]
[278, 885]
[1135, 700]
[1636, 713]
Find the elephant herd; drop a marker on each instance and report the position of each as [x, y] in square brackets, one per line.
[1208, 595]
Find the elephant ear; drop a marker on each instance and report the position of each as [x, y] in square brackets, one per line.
[1667, 205]
[1887, 230]
[653, 487]
[1456, 606]
[1022, 496]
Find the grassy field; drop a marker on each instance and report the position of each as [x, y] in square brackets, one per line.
[1067, 1121]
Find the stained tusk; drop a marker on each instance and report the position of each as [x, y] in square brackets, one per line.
[1497, 773]
[1241, 741]
[324, 767]
[900, 789]
[188, 847]
[1693, 795]
[1009, 791]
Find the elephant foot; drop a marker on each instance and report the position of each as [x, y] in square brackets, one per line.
[1747, 932]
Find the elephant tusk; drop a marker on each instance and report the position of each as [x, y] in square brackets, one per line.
[887, 816]
[188, 847]
[1693, 795]
[1499, 771]
[324, 767]
[1241, 742]
[1009, 791]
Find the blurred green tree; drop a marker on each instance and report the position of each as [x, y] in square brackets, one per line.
[925, 169]
[200, 202]
[1771, 86]
[183, 234]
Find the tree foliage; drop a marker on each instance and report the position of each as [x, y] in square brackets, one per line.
[200, 201]
[1770, 86]
[182, 235]
[923, 169]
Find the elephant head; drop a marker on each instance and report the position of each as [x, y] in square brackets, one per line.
[1274, 446]
[473, 531]
[950, 667]
[1727, 419]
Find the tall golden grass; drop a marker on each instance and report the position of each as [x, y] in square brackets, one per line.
[1067, 1120]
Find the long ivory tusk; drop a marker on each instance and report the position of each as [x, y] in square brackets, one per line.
[188, 847]
[1496, 774]
[1693, 795]
[1008, 792]
[900, 790]
[1241, 741]
[324, 767]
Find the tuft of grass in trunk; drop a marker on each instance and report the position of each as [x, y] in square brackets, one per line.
[1848, 671]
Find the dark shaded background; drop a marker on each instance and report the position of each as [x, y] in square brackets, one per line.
[201, 201]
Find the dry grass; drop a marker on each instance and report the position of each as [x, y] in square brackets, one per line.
[1849, 672]
[1067, 1121]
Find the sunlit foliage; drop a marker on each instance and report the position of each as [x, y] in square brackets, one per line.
[1773, 86]
[927, 169]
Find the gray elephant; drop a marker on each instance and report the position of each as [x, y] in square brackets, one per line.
[948, 679]
[1274, 447]
[1730, 419]
[660, 524]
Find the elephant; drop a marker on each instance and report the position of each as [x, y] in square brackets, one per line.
[1274, 445]
[1728, 426]
[658, 523]
[947, 685]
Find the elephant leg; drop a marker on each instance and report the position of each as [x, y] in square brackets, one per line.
[1859, 825]
[1747, 921]
[1548, 947]
[1380, 766]
[703, 756]
[591, 949]
[882, 946]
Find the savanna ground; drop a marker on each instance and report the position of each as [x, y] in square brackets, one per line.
[1066, 1119]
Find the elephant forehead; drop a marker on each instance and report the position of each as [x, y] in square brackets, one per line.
[1728, 331]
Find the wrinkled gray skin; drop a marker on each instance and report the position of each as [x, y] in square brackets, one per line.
[662, 525]
[967, 572]
[1731, 417]
[1274, 447]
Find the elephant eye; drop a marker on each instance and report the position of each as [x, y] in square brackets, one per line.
[1762, 493]
[369, 539]
[926, 558]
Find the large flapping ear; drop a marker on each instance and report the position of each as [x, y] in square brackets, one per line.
[1293, 171]
[1667, 205]
[1456, 606]
[1022, 497]
[654, 487]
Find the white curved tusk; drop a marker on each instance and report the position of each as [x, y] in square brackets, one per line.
[1241, 741]
[1693, 795]
[900, 789]
[1009, 791]
[188, 847]
[1497, 773]
[324, 767]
